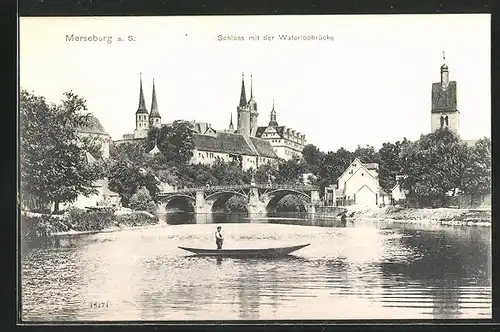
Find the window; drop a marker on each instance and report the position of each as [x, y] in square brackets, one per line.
[446, 120]
[441, 120]
[362, 174]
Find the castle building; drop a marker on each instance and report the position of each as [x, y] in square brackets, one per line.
[240, 145]
[287, 143]
[444, 112]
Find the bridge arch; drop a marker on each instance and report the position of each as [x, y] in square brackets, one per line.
[178, 203]
[272, 198]
[218, 200]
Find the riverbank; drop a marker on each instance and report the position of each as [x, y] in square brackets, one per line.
[443, 216]
[111, 229]
[78, 221]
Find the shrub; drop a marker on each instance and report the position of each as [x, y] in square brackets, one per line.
[136, 219]
[41, 226]
[83, 220]
[142, 201]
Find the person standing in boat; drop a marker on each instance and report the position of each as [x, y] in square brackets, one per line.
[218, 237]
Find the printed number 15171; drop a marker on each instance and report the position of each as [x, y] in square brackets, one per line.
[99, 304]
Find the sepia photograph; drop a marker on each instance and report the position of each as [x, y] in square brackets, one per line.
[248, 168]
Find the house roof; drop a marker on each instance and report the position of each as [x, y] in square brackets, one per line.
[200, 127]
[263, 147]
[90, 157]
[93, 126]
[223, 143]
[155, 150]
[261, 130]
[444, 100]
[361, 164]
[371, 166]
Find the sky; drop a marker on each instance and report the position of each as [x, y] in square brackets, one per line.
[369, 84]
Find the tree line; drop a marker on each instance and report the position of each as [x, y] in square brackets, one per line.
[54, 167]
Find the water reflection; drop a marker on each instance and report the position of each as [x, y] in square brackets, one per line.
[285, 218]
[361, 270]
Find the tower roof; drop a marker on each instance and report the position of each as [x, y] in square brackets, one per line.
[231, 126]
[154, 104]
[444, 66]
[273, 122]
[252, 102]
[444, 100]
[243, 96]
[142, 103]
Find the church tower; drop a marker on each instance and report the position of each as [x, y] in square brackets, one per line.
[243, 111]
[154, 116]
[444, 112]
[254, 115]
[273, 122]
[141, 116]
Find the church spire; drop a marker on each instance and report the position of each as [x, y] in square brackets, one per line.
[243, 96]
[273, 122]
[142, 103]
[251, 86]
[154, 103]
[231, 126]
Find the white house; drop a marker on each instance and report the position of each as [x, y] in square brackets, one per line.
[359, 184]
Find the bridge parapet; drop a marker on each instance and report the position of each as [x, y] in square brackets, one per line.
[242, 187]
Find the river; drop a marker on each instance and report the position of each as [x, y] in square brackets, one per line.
[358, 270]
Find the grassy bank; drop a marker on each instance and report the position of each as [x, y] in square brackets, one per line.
[445, 216]
[81, 221]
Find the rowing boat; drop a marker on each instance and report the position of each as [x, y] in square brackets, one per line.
[265, 252]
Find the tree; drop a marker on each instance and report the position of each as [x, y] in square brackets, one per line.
[289, 172]
[313, 157]
[141, 201]
[54, 167]
[175, 141]
[226, 173]
[332, 166]
[265, 173]
[367, 154]
[390, 165]
[477, 176]
[433, 166]
[128, 169]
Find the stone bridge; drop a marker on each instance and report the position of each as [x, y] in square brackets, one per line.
[260, 198]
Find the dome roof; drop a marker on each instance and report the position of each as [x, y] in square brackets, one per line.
[444, 66]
